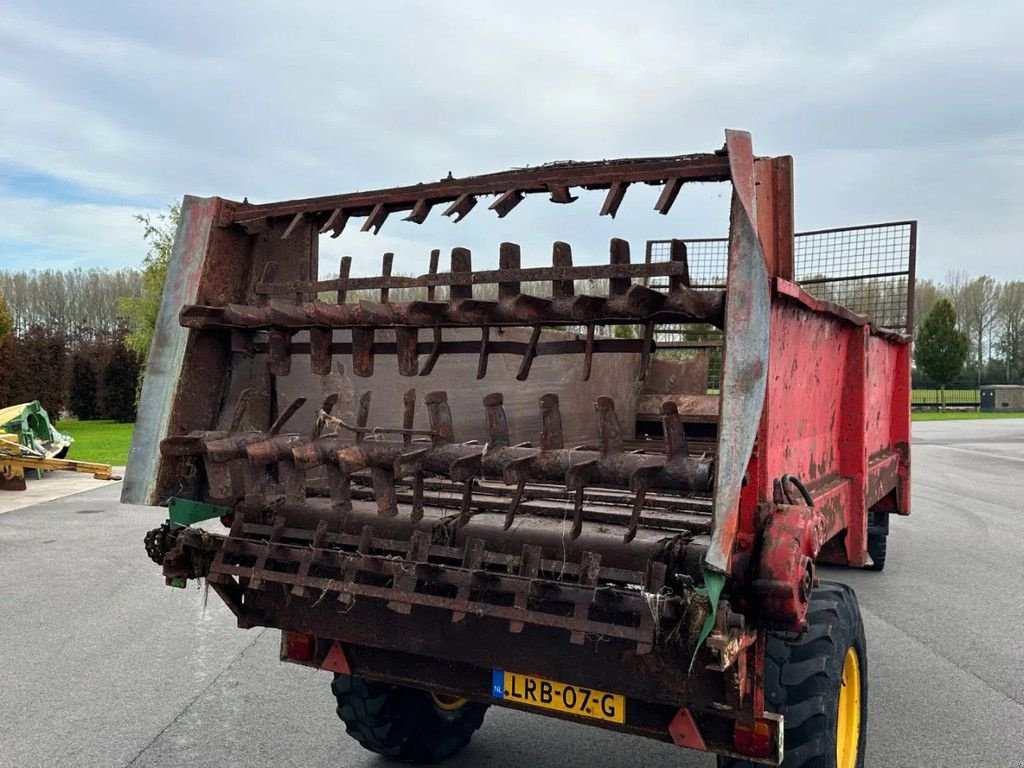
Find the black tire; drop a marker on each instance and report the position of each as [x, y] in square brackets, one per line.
[803, 677]
[876, 551]
[404, 724]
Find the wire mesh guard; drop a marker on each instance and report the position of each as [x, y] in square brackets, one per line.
[868, 269]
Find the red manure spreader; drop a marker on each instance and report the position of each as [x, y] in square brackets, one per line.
[597, 493]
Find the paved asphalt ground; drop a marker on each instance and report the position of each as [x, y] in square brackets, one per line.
[103, 666]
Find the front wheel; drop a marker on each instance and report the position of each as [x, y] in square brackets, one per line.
[819, 683]
[405, 724]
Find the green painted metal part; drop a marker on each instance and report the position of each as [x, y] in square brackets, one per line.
[714, 582]
[181, 513]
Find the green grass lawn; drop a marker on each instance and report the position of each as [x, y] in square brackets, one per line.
[106, 442]
[958, 415]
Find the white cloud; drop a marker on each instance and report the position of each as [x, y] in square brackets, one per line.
[892, 111]
[39, 234]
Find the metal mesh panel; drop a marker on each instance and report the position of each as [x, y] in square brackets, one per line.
[869, 269]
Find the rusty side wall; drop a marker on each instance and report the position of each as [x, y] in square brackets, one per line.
[807, 385]
[187, 374]
[837, 414]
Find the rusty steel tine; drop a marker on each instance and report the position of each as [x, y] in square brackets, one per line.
[608, 426]
[385, 270]
[384, 492]
[307, 557]
[335, 223]
[320, 360]
[576, 479]
[497, 422]
[296, 220]
[668, 195]
[472, 559]
[279, 361]
[613, 199]
[590, 569]
[405, 581]
[517, 497]
[677, 253]
[550, 423]
[435, 353]
[278, 425]
[465, 511]
[363, 414]
[560, 194]
[417, 498]
[529, 568]
[561, 256]
[485, 350]
[362, 352]
[588, 353]
[510, 258]
[340, 484]
[419, 211]
[645, 352]
[529, 355]
[239, 412]
[459, 209]
[435, 257]
[618, 253]
[407, 345]
[506, 202]
[675, 434]
[408, 414]
[462, 261]
[639, 482]
[376, 219]
[577, 514]
[344, 268]
[439, 415]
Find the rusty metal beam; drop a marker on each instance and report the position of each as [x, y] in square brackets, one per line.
[589, 175]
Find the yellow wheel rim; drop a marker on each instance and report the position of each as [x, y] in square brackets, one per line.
[448, 703]
[848, 722]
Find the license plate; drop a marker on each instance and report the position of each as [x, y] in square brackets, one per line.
[561, 697]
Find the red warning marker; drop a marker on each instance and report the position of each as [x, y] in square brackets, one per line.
[683, 731]
[335, 660]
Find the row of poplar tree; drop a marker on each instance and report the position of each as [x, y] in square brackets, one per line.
[77, 340]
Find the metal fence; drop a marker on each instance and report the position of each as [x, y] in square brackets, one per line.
[868, 269]
[926, 399]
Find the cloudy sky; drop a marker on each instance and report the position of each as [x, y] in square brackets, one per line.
[892, 111]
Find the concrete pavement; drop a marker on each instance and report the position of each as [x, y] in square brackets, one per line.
[104, 666]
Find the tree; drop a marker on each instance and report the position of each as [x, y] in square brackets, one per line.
[941, 349]
[980, 299]
[6, 320]
[119, 381]
[926, 293]
[84, 395]
[142, 311]
[1011, 318]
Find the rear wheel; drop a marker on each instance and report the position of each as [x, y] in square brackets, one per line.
[405, 724]
[818, 683]
[878, 536]
[877, 544]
